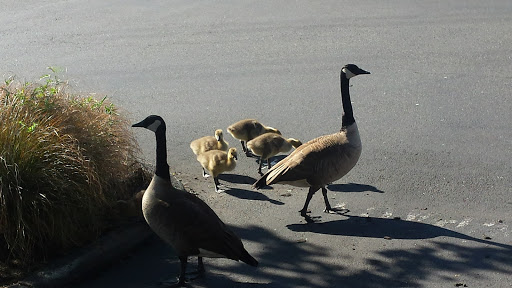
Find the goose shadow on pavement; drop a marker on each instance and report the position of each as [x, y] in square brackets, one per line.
[353, 187]
[292, 262]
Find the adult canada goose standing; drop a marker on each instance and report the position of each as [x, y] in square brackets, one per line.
[217, 162]
[208, 143]
[269, 145]
[183, 220]
[248, 129]
[324, 159]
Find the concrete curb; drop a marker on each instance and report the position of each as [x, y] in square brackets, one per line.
[90, 259]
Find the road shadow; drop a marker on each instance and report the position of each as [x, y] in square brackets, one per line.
[385, 227]
[237, 179]
[289, 262]
[353, 187]
[251, 195]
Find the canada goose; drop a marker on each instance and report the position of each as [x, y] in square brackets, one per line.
[208, 143]
[270, 144]
[324, 159]
[216, 162]
[183, 220]
[248, 129]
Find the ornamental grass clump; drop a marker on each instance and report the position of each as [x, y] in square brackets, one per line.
[64, 162]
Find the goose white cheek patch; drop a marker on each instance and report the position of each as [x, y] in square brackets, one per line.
[155, 125]
[348, 73]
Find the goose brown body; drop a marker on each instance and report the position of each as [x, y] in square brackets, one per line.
[248, 129]
[188, 224]
[325, 159]
[320, 161]
[183, 220]
[270, 144]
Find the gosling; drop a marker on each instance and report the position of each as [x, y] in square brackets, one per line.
[269, 145]
[217, 162]
[208, 143]
[248, 129]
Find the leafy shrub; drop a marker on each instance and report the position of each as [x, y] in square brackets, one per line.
[64, 162]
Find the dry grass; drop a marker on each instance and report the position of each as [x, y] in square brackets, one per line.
[64, 162]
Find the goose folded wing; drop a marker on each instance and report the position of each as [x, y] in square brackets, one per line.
[305, 162]
[203, 229]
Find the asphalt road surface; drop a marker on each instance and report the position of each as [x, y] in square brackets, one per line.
[429, 201]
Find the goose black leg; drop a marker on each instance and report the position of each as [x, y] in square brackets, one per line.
[328, 208]
[243, 146]
[182, 278]
[200, 267]
[304, 210]
[205, 175]
[248, 152]
[259, 168]
[217, 183]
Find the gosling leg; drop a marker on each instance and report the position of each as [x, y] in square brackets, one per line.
[259, 168]
[216, 181]
[205, 175]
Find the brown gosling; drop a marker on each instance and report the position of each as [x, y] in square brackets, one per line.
[217, 162]
[269, 145]
[183, 220]
[208, 143]
[325, 159]
[248, 129]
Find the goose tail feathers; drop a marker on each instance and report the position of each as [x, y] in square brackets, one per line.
[262, 182]
[248, 259]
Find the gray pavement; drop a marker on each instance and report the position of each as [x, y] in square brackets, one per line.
[429, 199]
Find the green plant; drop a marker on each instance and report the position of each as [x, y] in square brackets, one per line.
[64, 162]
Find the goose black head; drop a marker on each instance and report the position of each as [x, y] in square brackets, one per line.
[351, 70]
[152, 122]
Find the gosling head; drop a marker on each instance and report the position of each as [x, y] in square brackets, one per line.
[273, 130]
[152, 122]
[218, 134]
[351, 70]
[232, 153]
[295, 143]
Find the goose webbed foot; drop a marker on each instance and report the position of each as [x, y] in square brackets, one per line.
[336, 210]
[308, 218]
[172, 284]
[182, 279]
[217, 184]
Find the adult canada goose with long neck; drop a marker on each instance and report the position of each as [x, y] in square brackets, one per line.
[183, 220]
[324, 159]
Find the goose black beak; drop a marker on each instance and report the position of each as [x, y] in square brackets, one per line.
[364, 72]
[138, 124]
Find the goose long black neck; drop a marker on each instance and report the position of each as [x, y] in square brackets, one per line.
[162, 168]
[348, 114]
